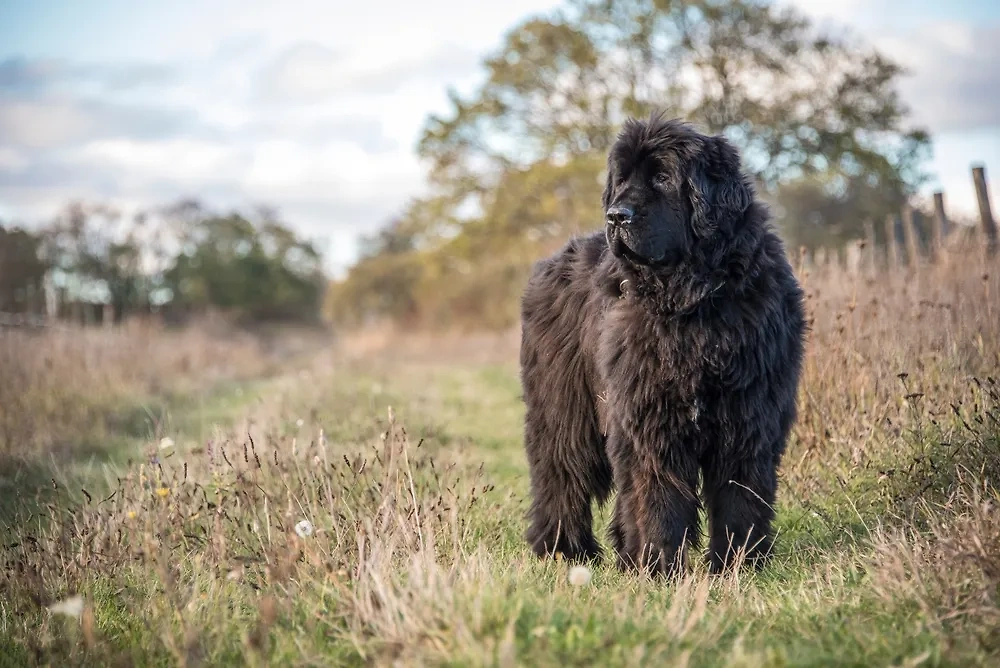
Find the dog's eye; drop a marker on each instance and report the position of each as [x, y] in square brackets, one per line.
[661, 178]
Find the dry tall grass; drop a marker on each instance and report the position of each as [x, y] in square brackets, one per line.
[62, 386]
[895, 365]
[286, 545]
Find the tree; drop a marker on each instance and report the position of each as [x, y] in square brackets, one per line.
[517, 165]
[255, 268]
[819, 211]
[181, 255]
[99, 256]
[22, 270]
[796, 100]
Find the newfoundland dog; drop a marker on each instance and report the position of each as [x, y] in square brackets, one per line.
[667, 345]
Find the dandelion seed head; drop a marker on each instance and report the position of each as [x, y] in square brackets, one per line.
[71, 607]
[304, 528]
[579, 576]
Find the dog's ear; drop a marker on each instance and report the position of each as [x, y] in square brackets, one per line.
[720, 193]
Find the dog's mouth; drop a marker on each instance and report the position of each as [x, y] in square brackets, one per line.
[620, 248]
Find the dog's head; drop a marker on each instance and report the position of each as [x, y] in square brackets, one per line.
[670, 189]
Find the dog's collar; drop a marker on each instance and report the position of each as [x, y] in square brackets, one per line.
[624, 292]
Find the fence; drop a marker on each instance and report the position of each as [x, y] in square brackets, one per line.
[904, 247]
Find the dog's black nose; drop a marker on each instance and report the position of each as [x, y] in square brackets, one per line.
[620, 215]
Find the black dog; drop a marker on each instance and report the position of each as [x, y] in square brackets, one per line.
[669, 344]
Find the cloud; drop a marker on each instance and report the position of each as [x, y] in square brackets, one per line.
[322, 129]
[335, 190]
[303, 73]
[24, 75]
[309, 73]
[48, 103]
[443, 65]
[132, 76]
[323, 136]
[824, 11]
[954, 81]
[52, 120]
[952, 53]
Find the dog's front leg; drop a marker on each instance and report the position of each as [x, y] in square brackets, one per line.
[666, 509]
[623, 531]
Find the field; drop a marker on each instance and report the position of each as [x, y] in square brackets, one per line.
[191, 502]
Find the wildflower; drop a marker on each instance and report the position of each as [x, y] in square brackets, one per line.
[304, 529]
[131, 514]
[579, 576]
[162, 492]
[166, 443]
[71, 607]
[299, 422]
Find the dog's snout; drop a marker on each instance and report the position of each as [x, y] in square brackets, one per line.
[620, 215]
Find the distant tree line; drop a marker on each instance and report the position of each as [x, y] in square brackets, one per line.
[181, 259]
[517, 166]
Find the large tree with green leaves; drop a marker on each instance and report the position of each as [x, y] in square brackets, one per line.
[182, 256]
[22, 269]
[517, 164]
[98, 255]
[255, 267]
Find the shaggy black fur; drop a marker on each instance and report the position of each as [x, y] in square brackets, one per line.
[668, 345]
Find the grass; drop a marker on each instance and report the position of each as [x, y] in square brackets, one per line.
[405, 462]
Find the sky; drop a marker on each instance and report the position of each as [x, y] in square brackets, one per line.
[315, 107]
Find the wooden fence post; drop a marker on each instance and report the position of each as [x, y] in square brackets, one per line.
[939, 228]
[51, 298]
[870, 242]
[891, 255]
[819, 261]
[910, 237]
[853, 255]
[985, 212]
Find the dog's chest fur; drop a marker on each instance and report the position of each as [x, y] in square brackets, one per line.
[657, 372]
